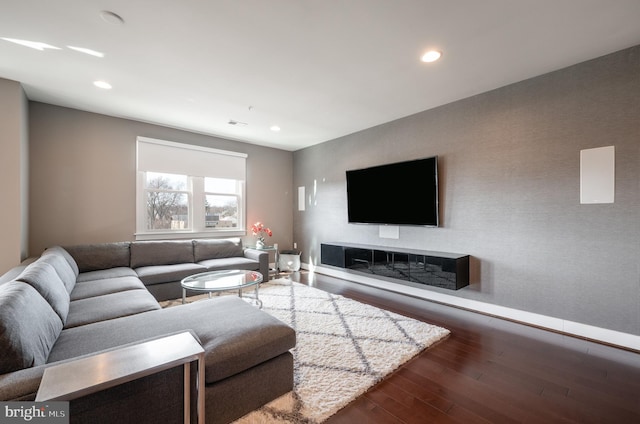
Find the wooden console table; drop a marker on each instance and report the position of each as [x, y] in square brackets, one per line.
[106, 370]
[439, 269]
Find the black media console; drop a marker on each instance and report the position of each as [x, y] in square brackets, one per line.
[440, 269]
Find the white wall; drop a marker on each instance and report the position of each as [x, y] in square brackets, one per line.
[13, 174]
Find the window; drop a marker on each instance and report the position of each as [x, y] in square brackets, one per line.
[166, 200]
[188, 191]
[221, 202]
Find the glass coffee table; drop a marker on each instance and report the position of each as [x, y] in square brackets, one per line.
[219, 281]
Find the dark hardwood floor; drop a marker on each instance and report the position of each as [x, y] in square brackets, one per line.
[491, 370]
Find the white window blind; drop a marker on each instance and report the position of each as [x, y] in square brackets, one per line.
[187, 189]
[186, 159]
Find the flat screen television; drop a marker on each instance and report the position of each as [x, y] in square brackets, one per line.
[402, 193]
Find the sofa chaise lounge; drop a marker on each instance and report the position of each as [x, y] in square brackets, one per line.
[82, 300]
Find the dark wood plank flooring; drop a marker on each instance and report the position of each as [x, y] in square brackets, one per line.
[491, 370]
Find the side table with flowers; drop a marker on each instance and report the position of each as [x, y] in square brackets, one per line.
[258, 229]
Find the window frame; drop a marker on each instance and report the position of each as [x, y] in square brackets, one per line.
[221, 194]
[187, 191]
[196, 197]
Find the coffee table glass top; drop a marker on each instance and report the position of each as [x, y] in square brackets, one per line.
[232, 279]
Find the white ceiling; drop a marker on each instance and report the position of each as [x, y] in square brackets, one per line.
[319, 69]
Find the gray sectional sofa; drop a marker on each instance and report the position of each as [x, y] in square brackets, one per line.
[160, 265]
[81, 300]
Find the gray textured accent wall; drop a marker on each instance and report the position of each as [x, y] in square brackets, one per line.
[509, 191]
[83, 174]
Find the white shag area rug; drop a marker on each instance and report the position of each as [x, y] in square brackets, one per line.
[343, 348]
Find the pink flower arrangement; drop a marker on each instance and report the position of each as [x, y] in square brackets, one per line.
[258, 229]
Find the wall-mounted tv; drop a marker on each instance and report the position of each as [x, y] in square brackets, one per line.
[401, 193]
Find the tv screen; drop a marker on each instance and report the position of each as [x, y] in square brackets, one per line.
[402, 193]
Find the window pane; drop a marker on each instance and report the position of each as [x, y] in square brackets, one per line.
[220, 185]
[221, 211]
[165, 181]
[167, 210]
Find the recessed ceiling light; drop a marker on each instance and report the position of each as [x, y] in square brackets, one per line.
[431, 56]
[275, 128]
[87, 51]
[111, 18]
[32, 44]
[103, 84]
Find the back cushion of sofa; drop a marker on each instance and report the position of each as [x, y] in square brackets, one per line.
[146, 253]
[57, 250]
[44, 278]
[93, 257]
[28, 327]
[62, 267]
[215, 249]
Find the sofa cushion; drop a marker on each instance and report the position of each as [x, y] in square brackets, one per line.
[44, 278]
[231, 263]
[144, 253]
[91, 257]
[29, 327]
[213, 249]
[159, 274]
[62, 267]
[235, 335]
[103, 274]
[110, 306]
[57, 250]
[93, 288]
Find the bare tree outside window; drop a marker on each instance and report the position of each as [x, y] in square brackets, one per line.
[167, 202]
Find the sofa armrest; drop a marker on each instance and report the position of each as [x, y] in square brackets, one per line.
[23, 385]
[110, 369]
[262, 257]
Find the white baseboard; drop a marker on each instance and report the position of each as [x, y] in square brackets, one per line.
[603, 335]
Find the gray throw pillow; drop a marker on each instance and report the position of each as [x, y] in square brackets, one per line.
[28, 327]
[44, 278]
